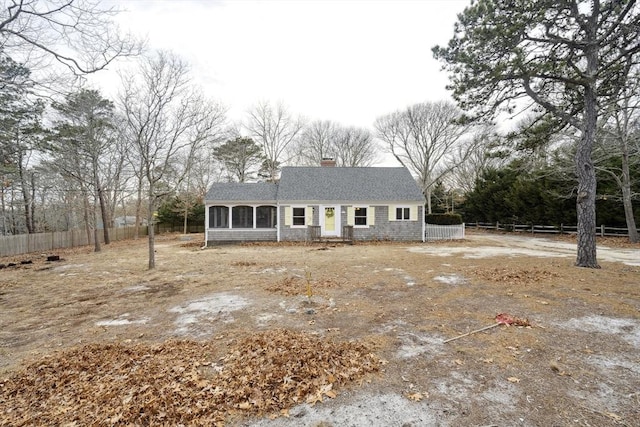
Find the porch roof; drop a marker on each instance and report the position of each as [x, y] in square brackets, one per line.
[242, 192]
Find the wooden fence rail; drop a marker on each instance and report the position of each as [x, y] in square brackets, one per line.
[602, 230]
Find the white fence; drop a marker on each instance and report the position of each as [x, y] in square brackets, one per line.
[444, 232]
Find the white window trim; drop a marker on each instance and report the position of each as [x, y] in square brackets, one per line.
[403, 207]
[306, 215]
[367, 207]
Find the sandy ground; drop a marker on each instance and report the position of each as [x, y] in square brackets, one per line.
[578, 364]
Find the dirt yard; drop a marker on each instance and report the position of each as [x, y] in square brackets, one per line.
[322, 335]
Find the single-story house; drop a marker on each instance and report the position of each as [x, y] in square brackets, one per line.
[378, 203]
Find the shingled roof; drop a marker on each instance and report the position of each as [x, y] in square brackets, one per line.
[347, 184]
[328, 184]
[235, 191]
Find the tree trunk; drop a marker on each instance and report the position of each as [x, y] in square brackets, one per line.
[139, 211]
[586, 198]
[32, 205]
[26, 199]
[85, 214]
[151, 234]
[626, 197]
[104, 211]
[4, 213]
[186, 216]
[96, 235]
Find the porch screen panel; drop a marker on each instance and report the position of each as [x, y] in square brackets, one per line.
[266, 217]
[218, 217]
[242, 217]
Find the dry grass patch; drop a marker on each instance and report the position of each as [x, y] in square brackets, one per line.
[514, 276]
[292, 286]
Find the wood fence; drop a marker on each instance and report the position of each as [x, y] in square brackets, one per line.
[443, 232]
[602, 230]
[47, 242]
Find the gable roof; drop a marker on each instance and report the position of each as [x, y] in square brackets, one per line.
[242, 191]
[329, 184]
[347, 184]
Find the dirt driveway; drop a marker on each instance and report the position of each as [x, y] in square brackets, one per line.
[577, 364]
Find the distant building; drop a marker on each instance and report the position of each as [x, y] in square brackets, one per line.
[127, 221]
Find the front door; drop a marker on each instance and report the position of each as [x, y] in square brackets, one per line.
[331, 221]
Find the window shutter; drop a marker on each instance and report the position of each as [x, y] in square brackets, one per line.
[288, 215]
[392, 213]
[309, 214]
[413, 213]
[350, 215]
[371, 216]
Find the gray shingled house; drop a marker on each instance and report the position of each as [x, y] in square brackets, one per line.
[373, 203]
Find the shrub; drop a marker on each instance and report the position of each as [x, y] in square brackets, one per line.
[443, 219]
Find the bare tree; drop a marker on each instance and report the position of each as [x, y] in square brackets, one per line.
[316, 142]
[167, 122]
[621, 141]
[275, 130]
[423, 138]
[472, 162]
[354, 147]
[79, 34]
[349, 146]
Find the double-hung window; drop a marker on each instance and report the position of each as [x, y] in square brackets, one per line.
[403, 214]
[298, 216]
[360, 216]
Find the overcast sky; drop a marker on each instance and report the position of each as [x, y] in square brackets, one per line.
[346, 61]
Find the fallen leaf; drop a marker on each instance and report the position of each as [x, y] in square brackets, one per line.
[416, 397]
[513, 379]
[613, 416]
[459, 362]
[314, 398]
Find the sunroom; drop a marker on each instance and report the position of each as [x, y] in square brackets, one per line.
[239, 212]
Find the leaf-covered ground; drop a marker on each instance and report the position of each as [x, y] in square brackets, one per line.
[238, 335]
[181, 382]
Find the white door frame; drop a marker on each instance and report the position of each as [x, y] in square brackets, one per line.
[323, 231]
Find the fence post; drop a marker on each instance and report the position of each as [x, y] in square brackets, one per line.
[561, 228]
[602, 230]
[497, 226]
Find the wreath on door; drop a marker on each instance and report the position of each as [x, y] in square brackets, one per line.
[329, 212]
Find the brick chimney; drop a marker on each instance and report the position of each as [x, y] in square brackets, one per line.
[328, 162]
